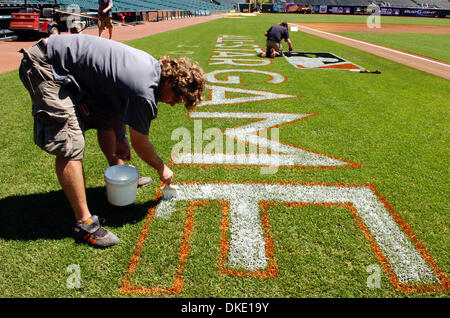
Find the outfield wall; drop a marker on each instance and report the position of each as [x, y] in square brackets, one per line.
[384, 11]
[349, 10]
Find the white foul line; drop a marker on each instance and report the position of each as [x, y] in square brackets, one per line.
[378, 46]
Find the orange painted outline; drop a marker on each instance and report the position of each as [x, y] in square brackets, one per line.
[272, 270]
[251, 46]
[178, 282]
[221, 36]
[234, 46]
[218, 59]
[243, 38]
[350, 164]
[246, 71]
[250, 101]
[347, 66]
[247, 54]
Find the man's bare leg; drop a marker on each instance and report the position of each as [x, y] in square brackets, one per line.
[107, 141]
[71, 177]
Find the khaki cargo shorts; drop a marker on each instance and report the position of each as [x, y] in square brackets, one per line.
[58, 123]
[104, 22]
[275, 45]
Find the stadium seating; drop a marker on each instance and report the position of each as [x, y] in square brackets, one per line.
[229, 4]
[149, 5]
[436, 3]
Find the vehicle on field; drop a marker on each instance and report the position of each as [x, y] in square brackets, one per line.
[34, 21]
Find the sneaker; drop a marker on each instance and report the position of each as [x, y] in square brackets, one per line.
[144, 181]
[92, 232]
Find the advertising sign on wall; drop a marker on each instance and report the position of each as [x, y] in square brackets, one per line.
[424, 13]
[290, 7]
[339, 9]
[390, 11]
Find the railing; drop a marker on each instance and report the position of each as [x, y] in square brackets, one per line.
[160, 15]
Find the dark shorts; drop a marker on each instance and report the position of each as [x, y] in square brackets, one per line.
[104, 22]
[59, 125]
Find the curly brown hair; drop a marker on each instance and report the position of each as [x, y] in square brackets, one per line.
[187, 79]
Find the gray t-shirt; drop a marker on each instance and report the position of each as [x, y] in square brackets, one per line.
[120, 79]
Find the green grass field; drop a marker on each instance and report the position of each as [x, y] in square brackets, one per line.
[395, 125]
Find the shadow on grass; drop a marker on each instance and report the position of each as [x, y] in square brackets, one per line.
[49, 215]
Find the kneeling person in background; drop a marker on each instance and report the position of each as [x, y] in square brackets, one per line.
[274, 36]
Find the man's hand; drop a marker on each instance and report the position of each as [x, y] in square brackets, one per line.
[123, 149]
[289, 42]
[147, 152]
[165, 174]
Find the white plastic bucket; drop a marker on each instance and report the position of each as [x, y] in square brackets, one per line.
[121, 184]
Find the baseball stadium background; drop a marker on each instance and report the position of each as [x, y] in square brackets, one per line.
[362, 212]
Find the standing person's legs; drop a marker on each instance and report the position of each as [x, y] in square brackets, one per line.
[88, 227]
[101, 26]
[110, 32]
[109, 26]
[96, 119]
[71, 177]
[107, 142]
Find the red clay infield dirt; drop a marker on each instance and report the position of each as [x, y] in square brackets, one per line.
[385, 28]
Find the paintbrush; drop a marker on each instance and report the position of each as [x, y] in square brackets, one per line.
[169, 191]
